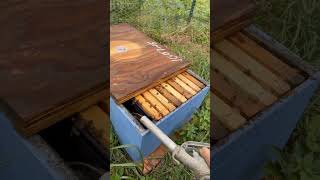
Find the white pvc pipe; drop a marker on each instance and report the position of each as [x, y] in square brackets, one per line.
[158, 132]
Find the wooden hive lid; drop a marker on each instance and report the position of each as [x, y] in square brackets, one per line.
[51, 65]
[138, 63]
[230, 16]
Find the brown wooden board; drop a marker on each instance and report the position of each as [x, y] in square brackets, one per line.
[96, 121]
[267, 78]
[229, 16]
[291, 75]
[52, 59]
[138, 63]
[224, 88]
[153, 160]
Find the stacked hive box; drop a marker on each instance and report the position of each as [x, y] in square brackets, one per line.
[160, 101]
[169, 104]
[259, 92]
[164, 89]
[244, 83]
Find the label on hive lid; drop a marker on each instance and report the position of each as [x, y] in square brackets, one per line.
[123, 50]
[164, 52]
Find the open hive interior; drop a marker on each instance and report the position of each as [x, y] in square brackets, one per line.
[247, 79]
[158, 102]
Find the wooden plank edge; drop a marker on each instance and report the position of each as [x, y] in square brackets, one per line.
[148, 108]
[62, 105]
[230, 28]
[154, 84]
[193, 79]
[279, 50]
[61, 113]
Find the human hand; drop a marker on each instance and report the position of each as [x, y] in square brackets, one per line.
[205, 153]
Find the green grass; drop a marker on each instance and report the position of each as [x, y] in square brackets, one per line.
[165, 21]
[296, 24]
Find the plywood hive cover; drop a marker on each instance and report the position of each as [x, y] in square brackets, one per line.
[50, 65]
[138, 62]
[229, 16]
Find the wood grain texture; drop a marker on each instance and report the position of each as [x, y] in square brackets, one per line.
[60, 112]
[179, 88]
[155, 103]
[193, 79]
[228, 117]
[174, 92]
[185, 86]
[229, 16]
[148, 108]
[96, 122]
[247, 78]
[137, 65]
[252, 67]
[154, 159]
[235, 96]
[189, 83]
[168, 95]
[242, 81]
[291, 75]
[51, 53]
[162, 99]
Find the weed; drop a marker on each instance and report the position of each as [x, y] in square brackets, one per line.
[296, 24]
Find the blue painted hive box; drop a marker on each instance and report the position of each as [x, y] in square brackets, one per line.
[130, 131]
[266, 89]
[147, 79]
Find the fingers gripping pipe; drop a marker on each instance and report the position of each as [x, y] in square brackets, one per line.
[200, 168]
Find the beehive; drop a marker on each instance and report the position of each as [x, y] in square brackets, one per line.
[245, 83]
[259, 91]
[170, 104]
[148, 79]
